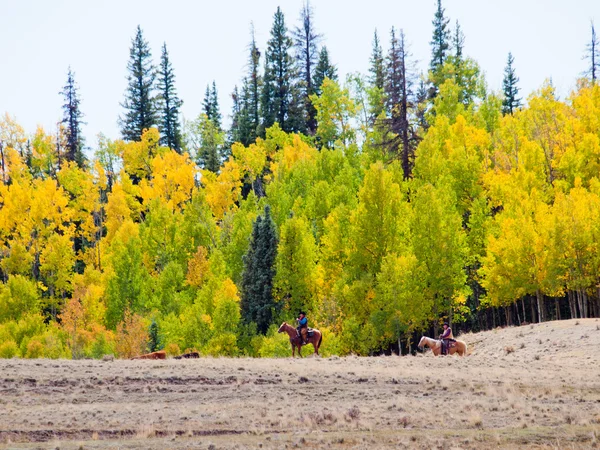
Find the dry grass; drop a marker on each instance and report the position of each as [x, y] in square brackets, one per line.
[542, 394]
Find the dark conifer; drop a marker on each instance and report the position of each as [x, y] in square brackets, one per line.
[440, 45]
[257, 303]
[139, 104]
[72, 122]
[169, 104]
[306, 40]
[324, 70]
[210, 105]
[399, 98]
[377, 68]
[279, 77]
[511, 102]
[254, 85]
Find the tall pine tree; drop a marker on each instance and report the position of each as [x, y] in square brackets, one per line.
[592, 54]
[257, 302]
[399, 99]
[306, 40]
[253, 89]
[210, 105]
[440, 45]
[279, 79]
[72, 122]
[140, 109]
[169, 104]
[510, 102]
[324, 70]
[377, 67]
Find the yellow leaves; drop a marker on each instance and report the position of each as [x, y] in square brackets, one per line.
[227, 292]
[251, 159]
[56, 262]
[198, 268]
[291, 155]
[172, 180]
[138, 155]
[132, 336]
[223, 190]
[117, 210]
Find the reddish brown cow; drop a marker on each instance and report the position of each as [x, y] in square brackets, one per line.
[154, 355]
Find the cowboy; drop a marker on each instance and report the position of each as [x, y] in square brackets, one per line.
[446, 337]
[302, 327]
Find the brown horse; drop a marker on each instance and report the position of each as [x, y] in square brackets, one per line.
[459, 347]
[296, 340]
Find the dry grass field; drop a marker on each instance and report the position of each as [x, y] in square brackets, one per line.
[535, 386]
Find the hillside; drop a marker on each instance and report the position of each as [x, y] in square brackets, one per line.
[541, 395]
[564, 342]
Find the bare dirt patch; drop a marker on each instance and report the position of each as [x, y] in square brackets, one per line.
[545, 393]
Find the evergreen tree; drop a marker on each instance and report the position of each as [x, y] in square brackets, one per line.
[324, 70]
[593, 56]
[154, 341]
[257, 302]
[241, 124]
[458, 43]
[139, 104]
[511, 102]
[440, 45]
[377, 68]
[421, 104]
[399, 98]
[253, 90]
[72, 121]
[276, 96]
[169, 104]
[306, 40]
[210, 105]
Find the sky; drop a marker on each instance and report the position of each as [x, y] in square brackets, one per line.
[208, 40]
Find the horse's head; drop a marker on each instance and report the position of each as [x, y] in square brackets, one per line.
[421, 343]
[282, 327]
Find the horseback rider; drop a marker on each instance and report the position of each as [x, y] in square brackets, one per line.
[446, 337]
[302, 327]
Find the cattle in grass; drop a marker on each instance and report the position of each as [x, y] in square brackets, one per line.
[154, 355]
[188, 355]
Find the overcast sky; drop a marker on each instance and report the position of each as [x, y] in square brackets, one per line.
[207, 40]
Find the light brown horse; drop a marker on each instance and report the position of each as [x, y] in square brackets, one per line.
[459, 347]
[296, 340]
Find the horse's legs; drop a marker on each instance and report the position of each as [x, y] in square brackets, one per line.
[300, 350]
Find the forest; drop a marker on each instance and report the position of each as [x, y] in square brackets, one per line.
[382, 205]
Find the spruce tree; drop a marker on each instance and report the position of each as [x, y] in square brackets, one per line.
[253, 90]
[139, 104]
[210, 105]
[440, 45]
[257, 302]
[279, 77]
[242, 129]
[510, 102]
[377, 68]
[399, 98]
[154, 341]
[421, 104]
[324, 70]
[593, 56]
[169, 104]
[72, 122]
[306, 40]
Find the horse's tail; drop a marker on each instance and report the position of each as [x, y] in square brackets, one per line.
[320, 340]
